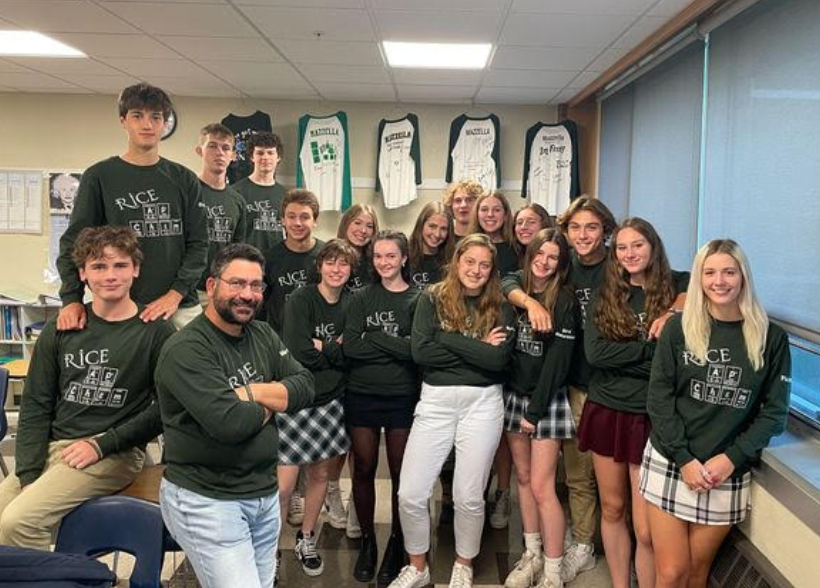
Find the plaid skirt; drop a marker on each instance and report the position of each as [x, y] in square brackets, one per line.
[557, 423]
[661, 484]
[313, 434]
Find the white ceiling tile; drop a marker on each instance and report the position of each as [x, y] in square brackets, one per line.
[365, 92]
[66, 67]
[528, 79]
[594, 7]
[242, 74]
[466, 5]
[180, 86]
[76, 16]
[33, 81]
[640, 31]
[9, 67]
[564, 96]
[201, 20]
[607, 58]
[551, 58]
[436, 77]
[297, 23]
[583, 79]
[104, 84]
[490, 95]
[438, 26]
[350, 74]
[460, 94]
[303, 3]
[55, 90]
[150, 68]
[279, 93]
[105, 45]
[669, 8]
[331, 52]
[563, 30]
[170, 1]
[223, 49]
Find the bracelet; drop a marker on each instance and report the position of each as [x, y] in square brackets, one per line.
[249, 392]
[95, 446]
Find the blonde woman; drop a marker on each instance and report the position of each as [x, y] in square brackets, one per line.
[357, 226]
[462, 340]
[722, 361]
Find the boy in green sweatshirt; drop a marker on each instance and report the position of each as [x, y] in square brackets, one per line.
[88, 406]
[158, 199]
[219, 381]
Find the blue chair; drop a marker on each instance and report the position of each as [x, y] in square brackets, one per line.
[4, 423]
[118, 523]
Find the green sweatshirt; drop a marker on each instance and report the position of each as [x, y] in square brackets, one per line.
[216, 444]
[225, 214]
[264, 227]
[97, 381]
[702, 409]
[541, 361]
[285, 272]
[453, 359]
[161, 203]
[620, 369]
[309, 316]
[362, 274]
[506, 258]
[377, 342]
[428, 272]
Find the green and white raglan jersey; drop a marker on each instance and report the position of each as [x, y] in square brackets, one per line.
[475, 151]
[551, 176]
[225, 217]
[398, 162]
[323, 164]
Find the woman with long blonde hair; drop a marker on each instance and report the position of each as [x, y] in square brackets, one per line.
[722, 362]
[462, 339]
[639, 287]
[493, 217]
[358, 225]
[431, 244]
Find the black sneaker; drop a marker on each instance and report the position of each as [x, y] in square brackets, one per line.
[306, 554]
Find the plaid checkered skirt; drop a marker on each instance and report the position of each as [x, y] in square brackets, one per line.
[557, 423]
[661, 484]
[313, 434]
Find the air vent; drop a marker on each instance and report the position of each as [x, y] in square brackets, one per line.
[739, 564]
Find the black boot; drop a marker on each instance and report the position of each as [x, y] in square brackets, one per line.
[366, 562]
[393, 559]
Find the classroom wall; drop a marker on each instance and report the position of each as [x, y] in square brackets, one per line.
[69, 131]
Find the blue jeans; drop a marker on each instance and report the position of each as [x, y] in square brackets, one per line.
[229, 543]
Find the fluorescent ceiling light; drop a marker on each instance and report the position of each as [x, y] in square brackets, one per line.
[32, 44]
[437, 55]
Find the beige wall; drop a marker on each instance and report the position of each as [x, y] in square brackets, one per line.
[51, 131]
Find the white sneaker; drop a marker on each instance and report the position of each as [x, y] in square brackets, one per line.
[336, 515]
[527, 571]
[462, 576]
[578, 558]
[352, 527]
[500, 515]
[410, 577]
[296, 509]
[551, 574]
[569, 539]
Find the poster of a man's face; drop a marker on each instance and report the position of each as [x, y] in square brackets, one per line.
[62, 191]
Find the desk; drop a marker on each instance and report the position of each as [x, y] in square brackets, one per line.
[17, 368]
[146, 484]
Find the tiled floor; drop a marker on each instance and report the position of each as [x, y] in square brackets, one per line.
[499, 551]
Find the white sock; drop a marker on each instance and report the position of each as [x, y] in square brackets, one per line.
[552, 565]
[532, 542]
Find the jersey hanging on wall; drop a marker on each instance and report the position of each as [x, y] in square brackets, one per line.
[475, 149]
[398, 163]
[551, 165]
[243, 127]
[323, 164]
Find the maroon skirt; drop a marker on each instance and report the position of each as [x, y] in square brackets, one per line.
[613, 433]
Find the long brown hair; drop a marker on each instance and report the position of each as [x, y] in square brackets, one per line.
[448, 294]
[445, 250]
[558, 280]
[507, 228]
[613, 315]
[350, 215]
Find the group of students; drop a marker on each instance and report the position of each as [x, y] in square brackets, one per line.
[483, 340]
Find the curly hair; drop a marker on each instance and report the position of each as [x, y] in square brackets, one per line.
[613, 315]
[471, 187]
[92, 241]
[454, 314]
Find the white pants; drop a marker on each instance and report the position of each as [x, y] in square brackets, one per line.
[471, 418]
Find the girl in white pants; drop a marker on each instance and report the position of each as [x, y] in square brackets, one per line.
[462, 338]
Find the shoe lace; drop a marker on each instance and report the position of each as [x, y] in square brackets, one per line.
[406, 577]
[295, 505]
[307, 548]
[460, 578]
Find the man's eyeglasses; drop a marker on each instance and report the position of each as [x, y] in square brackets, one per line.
[237, 286]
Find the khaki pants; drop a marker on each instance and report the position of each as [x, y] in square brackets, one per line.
[183, 316]
[203, 299]
[30, 518]
[583, 492]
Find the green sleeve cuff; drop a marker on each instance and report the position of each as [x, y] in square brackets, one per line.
[736, 456]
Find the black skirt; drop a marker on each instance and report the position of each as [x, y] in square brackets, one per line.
[375, 411]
